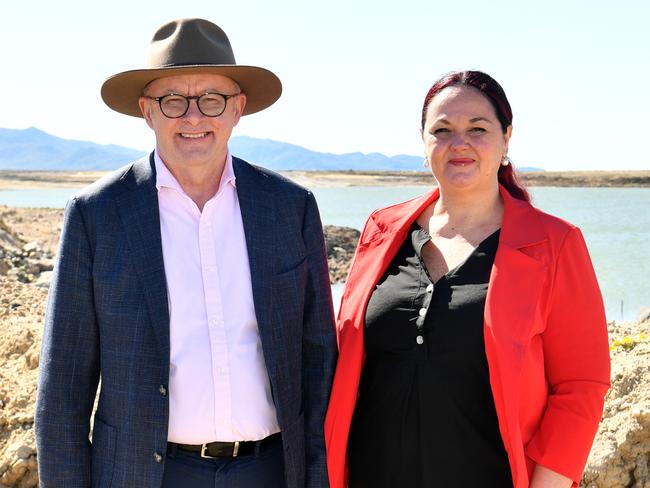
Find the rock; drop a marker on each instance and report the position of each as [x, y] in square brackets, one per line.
[30, 247]
[22, 451]
[643, 315]
[341, 243]
[31, 267]
[45, 264]
[620, 457]
[44, 279]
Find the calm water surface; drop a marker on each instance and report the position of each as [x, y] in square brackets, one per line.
[614, 221]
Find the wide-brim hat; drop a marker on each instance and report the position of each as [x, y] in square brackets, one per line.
[190, 46]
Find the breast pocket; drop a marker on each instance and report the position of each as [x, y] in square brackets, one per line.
[103, 454]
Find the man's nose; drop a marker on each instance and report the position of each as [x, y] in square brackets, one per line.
[193, 112]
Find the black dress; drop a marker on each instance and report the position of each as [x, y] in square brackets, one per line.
[425, 415]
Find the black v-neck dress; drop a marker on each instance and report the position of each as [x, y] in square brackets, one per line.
[425, 415]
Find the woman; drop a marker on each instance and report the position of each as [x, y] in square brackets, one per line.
[472, 336]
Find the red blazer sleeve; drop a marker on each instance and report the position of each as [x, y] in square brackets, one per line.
[577, 363]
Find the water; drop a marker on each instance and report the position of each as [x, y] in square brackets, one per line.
[614, 221]
[37, 197]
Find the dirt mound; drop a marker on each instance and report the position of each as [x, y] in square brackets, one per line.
[27, 241]
[620, 457]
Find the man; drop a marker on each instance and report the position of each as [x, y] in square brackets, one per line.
[195, 286]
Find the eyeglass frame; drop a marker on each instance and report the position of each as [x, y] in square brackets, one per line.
[189, 99]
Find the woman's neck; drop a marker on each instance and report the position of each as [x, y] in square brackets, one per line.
[460, 212]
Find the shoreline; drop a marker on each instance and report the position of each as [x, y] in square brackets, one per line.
[12, 180]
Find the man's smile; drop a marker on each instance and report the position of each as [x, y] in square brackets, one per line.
[193, 135]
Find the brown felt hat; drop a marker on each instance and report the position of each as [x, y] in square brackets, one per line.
[190, 46]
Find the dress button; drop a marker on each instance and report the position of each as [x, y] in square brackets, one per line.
[422, 312]
[162, 390]
[157, 457]
[429, 288]
[419, 339]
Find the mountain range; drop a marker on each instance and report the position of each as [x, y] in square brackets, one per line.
[32, 149]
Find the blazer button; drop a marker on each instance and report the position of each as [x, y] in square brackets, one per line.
[162, 390]
[157, 457]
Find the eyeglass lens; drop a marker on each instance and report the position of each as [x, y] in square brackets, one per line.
[210, 105]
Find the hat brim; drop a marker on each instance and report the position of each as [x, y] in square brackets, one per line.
[122, 91]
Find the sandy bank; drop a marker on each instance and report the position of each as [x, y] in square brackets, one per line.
[45, 179]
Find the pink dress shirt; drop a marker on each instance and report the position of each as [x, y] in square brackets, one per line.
[219, 387]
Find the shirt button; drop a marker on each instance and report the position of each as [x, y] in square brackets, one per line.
[419, 339]
[162, 390]
[157, 457]
[422, 312]
[429, 288]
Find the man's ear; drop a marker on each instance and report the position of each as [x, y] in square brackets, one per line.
[145, 108]
[240, 103]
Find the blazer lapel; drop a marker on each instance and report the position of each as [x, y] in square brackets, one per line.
[380, 241]
[511, 312]
[256, 205]
[138, 209]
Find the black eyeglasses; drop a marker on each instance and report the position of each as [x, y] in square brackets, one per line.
[175, 106]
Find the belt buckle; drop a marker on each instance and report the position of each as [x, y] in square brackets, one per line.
[204, 447]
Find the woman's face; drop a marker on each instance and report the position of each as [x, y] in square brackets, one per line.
[463, 140]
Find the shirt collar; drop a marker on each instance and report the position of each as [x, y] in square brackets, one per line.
[165, 178]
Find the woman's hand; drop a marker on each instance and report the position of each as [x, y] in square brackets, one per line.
[547, 478]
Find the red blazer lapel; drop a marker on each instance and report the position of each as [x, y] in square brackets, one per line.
[380, 240]
[512, 313]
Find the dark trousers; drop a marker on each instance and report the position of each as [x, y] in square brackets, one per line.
[263, 469]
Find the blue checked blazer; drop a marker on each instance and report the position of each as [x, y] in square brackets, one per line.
[107, 318]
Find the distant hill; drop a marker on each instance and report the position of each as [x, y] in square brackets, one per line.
[282, 156]
[33, 149]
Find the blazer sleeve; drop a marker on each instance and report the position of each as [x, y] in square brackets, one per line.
[577, 363]
[69, 364]
[319, 348]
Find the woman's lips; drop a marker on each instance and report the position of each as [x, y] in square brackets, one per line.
[461, 161]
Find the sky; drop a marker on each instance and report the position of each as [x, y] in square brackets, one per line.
[355, 72]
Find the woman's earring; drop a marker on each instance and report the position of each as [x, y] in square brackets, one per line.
[426, 162]
[506, 161]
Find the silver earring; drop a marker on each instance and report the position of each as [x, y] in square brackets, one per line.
[506, 161]
[426, 162]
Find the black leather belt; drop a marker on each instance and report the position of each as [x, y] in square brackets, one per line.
[211, 450]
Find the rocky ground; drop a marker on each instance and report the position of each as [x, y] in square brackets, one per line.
[28, 238]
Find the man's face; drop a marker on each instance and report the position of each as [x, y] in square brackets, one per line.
[193, 140]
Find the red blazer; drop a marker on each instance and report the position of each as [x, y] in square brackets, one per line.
[545, 337]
